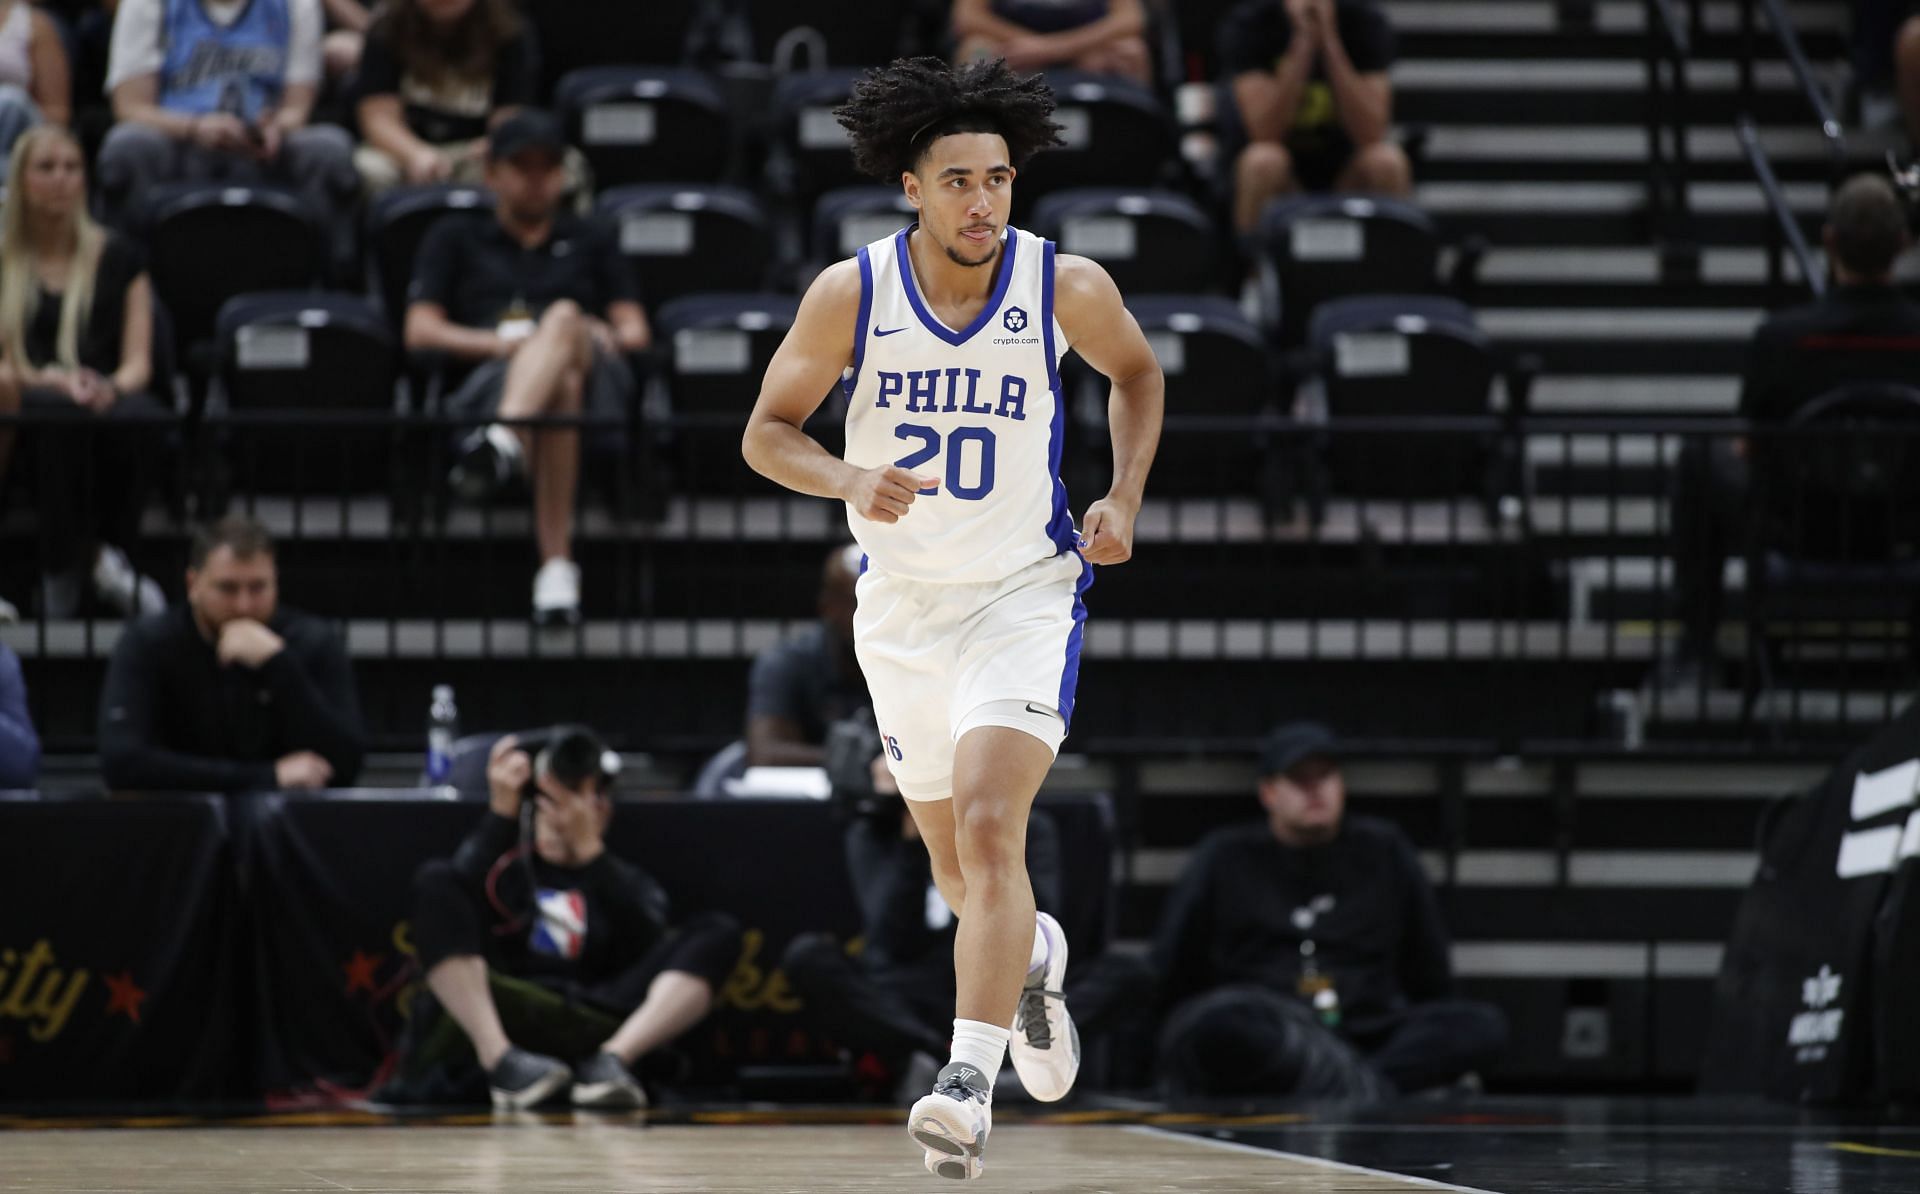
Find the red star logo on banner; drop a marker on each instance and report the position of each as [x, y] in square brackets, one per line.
[360, 971]
[123, 995]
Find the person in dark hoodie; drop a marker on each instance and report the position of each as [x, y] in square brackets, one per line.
[231, 691]
[1306, 956]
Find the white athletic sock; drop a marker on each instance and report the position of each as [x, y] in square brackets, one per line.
[1038, 957]
[980, 1045]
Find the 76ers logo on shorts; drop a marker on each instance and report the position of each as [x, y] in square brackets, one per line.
[1015, 319]
[560, 931]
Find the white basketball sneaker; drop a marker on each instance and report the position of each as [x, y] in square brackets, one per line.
[1046, 1046]
[952, 1123]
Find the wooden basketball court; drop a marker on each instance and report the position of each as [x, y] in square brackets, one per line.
[589, 1155]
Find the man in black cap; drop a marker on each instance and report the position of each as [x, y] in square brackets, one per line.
[1306, 955]
[537, 308]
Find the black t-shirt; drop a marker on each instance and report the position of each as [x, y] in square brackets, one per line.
[806, 681]
[480, 275]
[1851, 334]
[578, 924]
[99, 347]
[1246, 903]
[1255, 37]
[454, 109]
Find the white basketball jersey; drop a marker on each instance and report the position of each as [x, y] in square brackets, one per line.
[977, 409]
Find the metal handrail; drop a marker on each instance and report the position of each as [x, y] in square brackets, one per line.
[1830, 130]
[1786, 229]
[1668, 46]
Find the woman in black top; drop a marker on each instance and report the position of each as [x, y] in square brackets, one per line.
[76, 334]
[434, 76]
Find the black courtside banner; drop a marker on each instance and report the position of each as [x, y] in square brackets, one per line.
[1798, 1002]
[116, 967]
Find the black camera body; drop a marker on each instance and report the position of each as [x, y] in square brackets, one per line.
[852, 745]
[572, 755]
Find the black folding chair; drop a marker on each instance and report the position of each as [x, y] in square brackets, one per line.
[687, 239]
[646, 123]
[1152, 242]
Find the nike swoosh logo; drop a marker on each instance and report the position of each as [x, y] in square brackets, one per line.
[1048, 712]
[888, 332]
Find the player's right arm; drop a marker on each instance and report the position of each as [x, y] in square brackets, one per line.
[804, 370]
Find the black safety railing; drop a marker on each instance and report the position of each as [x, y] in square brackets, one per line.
[1495, 580]
[1668, 44]
[1784, 233]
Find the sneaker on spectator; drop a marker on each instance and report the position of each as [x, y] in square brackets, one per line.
[521, 1079]
[488, 460]
[556, 593]
[121, 588]
[604, 1081]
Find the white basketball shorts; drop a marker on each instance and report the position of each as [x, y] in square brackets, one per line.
[940, 659]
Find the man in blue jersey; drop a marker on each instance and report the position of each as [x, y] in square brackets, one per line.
[220, 89]
[947, 339]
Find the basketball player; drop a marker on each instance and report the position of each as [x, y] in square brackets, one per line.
[947, 339]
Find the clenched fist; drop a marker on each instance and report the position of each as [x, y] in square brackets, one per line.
[883, 494]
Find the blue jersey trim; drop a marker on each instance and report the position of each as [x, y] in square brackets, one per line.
[903, 259]
[1076, 639]
[860, 325]
[1060, 530]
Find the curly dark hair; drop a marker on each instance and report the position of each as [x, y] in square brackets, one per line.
[896, 111]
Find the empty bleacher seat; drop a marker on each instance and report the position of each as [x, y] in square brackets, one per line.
[1322, 247]
[810, 152]
[715, 348]
[313, 354]
[690, 239]
[207, 242]
[1116, 134]
[397, 222]
[1150, 241]
[646, 124]
[847, 218]
[1216, 364]
[1413, 356]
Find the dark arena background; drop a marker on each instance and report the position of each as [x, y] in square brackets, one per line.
[1542, 420]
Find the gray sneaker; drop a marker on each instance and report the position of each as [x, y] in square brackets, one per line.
[522, 1079]
[604, 1081]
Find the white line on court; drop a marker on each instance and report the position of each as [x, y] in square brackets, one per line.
[1424, 1183]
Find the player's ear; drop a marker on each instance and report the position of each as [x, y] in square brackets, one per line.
[910, 183]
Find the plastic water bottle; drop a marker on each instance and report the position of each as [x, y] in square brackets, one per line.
[443, 726]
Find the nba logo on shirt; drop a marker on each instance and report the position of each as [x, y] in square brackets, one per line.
[560, 931]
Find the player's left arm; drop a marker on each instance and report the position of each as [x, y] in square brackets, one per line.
[1102, 330]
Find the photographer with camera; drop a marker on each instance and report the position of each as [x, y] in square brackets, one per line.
[894, 998]
[534, 925]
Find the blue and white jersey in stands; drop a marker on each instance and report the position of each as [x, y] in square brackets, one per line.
[977, 409]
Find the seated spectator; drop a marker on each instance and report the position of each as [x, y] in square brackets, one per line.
[1310, 82]
[1306, 954]
[1105, 37]
[35, 80]
[549, 940]
[540, 306]
[894, 998]
[347, 22]
[802, 685]
[231, 692]
[19, 744]
[220, 89]
[435, 74]
[76, 332]
[1862, 330]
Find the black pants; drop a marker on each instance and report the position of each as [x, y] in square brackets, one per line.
[1709, 490]
[1249, 1040]
[448, 922]
[896, 1012]
[90, 473]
